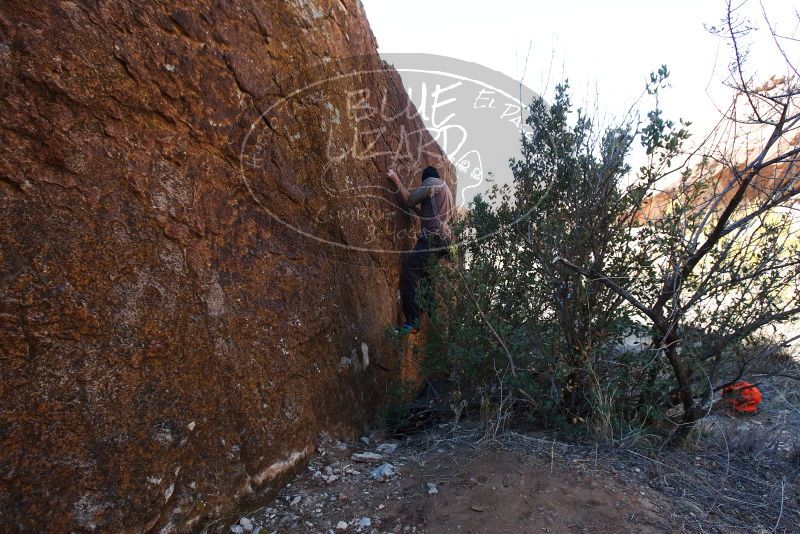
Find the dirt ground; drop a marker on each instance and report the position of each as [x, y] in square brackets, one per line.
[503, 491]
[735, 474]
[456, 487]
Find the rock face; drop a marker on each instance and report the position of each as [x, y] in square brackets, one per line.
[197, 251]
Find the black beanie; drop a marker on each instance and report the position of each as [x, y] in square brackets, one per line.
[430, 171]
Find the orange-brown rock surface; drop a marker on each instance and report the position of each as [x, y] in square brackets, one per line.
[196, 263]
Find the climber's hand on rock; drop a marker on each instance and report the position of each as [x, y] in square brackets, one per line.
[391, 175]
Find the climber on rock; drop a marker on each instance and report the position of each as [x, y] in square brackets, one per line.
[433, 203]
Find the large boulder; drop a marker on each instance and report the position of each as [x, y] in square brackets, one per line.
[198, 252]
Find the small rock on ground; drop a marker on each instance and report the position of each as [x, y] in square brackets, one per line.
[386, 448]
[383, 472]
[366, 457]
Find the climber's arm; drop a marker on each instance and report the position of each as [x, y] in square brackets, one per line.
[402, 190]
[409, 199]
[417, 195]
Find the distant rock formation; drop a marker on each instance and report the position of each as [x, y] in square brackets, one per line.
[711, 180]
[197, 251]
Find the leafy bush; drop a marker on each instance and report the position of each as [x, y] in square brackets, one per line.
[569, 306]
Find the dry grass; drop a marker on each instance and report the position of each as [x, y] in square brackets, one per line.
[735, 474]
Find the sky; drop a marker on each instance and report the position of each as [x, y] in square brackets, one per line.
[605, 48]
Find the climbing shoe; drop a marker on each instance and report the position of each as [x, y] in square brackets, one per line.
[407, 328]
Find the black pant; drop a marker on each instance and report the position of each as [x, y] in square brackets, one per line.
[417, 266]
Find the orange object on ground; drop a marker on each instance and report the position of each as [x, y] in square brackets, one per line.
[742, 397]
